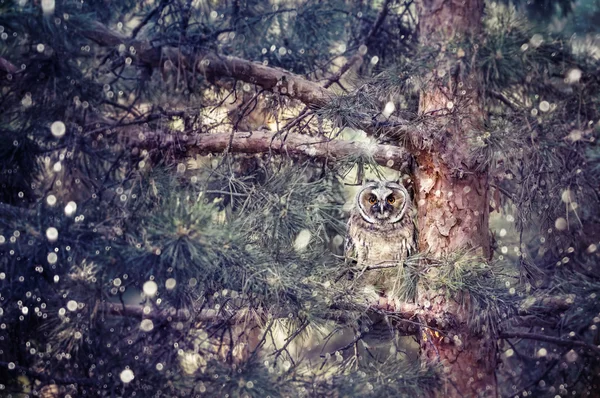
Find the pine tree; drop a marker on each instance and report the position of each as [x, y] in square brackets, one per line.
[176, 177]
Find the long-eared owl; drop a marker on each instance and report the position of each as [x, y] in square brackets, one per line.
[380, 234]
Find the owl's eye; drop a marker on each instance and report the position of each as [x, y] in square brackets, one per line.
[391, 199]
[372, 200]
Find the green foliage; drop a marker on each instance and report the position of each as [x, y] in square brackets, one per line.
[170, 263]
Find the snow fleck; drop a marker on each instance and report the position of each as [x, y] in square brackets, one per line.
[70, 209]
[25, 310]
[542, 352]
[502, 232]
[40, 48]
[573, 76]
[374, 60]
[159, 366]
[524, 47]
[567, 196]
[51, 200]
[48, 6]
[302, 240]
[571, 356]
[544, 106]
[592, 248]
[117, 282]
[170, 283]
[389, 163]
[52, 234]
[536, 40]
[26, 101]
[147, 325]
[338, 240]
[72, 305]
[58, 129]
[52, 258]
[388, 109]
[450, 105]
[150, 288]
[509, 353]
[362, 50]
[127, 375]
[181, 168]
[56, 278]
[560, 224]
[2, 239]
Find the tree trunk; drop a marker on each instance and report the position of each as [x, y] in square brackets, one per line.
[452, 192]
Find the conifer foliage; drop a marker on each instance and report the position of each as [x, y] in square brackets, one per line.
[174, 187]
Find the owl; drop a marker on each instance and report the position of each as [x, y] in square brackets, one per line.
[380, 235]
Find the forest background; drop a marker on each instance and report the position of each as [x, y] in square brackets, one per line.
[176, 177]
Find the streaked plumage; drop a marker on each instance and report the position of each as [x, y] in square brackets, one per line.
[380, 232]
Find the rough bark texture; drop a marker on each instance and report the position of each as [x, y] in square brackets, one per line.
[304, 146]
[452, 193]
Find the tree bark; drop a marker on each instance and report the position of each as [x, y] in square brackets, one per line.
[452, 192]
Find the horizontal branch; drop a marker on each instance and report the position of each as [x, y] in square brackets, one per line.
[139, 311]
[546, 304]
[212, 65]
[301, 145]
[550, 339]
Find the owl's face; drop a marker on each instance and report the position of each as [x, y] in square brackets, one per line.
[383, 202]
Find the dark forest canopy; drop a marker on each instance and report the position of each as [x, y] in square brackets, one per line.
[176, 176]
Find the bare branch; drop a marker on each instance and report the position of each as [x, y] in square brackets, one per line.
[546, 304]
[212, 65]
[301, 145]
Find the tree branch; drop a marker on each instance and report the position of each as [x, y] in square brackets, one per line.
[358, 56]
[550, 339]
[300, 145]
[212, 65]
[546, 304]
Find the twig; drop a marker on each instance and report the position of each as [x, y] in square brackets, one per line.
[358, 56]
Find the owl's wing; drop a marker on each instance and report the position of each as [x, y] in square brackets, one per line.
[350, 252]
[349, 249]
